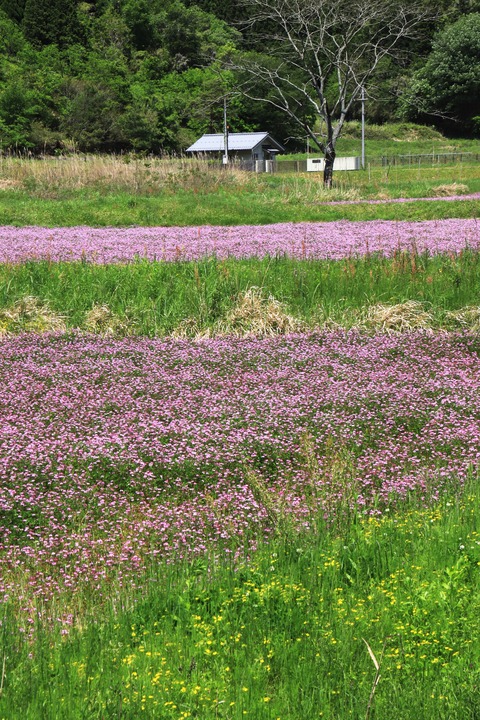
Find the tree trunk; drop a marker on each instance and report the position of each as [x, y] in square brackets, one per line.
[328, 171]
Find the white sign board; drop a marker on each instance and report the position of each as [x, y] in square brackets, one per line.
[340, 163]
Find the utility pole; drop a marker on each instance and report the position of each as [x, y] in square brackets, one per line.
[225, 132]
[363, 127]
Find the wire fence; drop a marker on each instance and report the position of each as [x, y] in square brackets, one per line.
[428, 159]
[453, 158]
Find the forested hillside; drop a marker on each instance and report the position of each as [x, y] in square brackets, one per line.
[146, 75]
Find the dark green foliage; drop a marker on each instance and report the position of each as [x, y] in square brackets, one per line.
[11, 38]
[51, 21]
[448, 86]
[13, 8]
[14, 105]
[17, 108]
[108, 76]
[454, 9]
[91, 118]
[231, 11]
[141, 24]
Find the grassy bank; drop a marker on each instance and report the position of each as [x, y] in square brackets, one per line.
[376, 620]
[397, 139]
[155, 298]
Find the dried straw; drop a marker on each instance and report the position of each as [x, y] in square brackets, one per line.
[100, 320]
[30, 314]
[402, 317]
[257, 314]
[448, 190]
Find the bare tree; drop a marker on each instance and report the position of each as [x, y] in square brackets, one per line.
[314, 56]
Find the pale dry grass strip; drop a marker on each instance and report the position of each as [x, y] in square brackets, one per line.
[9, 184]
[253, 314]
[121, 172]
[191, 328]
[311, 191]
[376, 680]
[381, 318]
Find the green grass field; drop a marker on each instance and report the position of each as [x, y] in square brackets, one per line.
[248, 207]
[293, 634]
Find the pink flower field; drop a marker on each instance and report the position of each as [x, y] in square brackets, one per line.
[116, 453]
[327, 240]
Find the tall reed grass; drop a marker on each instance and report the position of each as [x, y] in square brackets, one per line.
[53, 176]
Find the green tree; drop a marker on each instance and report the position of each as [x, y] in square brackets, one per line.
[231, 11]
[18, 107]
[30, 92]
[48, 22]
[141, 22]
[11, 38]
[321, 53]
[91, 118]
[447, 88]
[110, 32]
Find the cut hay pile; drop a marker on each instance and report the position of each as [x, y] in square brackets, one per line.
[30, 314]
[467, 318]
[449, 190]
[101, 320]
[253, 314]
[191, 328]
[257, 314]
[402, 317]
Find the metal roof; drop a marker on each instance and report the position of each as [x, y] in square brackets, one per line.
[236, 141]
